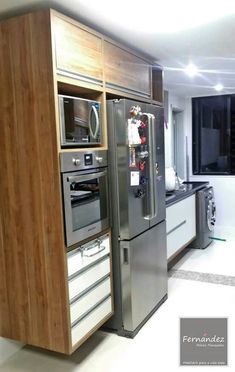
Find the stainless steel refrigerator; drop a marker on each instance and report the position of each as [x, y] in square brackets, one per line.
[136, 161]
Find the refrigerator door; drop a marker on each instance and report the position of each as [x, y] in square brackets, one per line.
[158, 144]
[125, 179]
[143, 275]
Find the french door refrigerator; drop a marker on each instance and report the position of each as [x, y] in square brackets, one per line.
[136, 161]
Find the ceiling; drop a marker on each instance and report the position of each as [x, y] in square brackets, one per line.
[174, 33]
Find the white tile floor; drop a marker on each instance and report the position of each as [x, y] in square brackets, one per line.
[217, 258]
[156, 347]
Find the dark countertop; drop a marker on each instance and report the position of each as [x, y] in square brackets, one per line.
[189, 189]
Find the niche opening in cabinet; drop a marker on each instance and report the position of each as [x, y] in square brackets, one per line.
[89, 122]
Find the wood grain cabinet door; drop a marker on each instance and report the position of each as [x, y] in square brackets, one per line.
[125, 71]
[77, 51]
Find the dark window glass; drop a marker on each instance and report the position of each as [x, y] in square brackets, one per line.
[214, 135]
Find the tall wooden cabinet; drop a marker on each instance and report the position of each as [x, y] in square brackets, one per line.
[41, 54]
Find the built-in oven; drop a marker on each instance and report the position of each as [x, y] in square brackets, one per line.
[85, 194]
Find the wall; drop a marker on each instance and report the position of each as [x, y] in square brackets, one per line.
[224, 186]
[173, 102]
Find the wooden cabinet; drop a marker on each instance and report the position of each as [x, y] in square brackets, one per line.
[125, 71]
[56, 54]
[180, 225]
[34, 286]
[78, 51]
[157, 84]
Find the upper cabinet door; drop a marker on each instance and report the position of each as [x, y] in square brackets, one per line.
[126, 72]
[78, 51]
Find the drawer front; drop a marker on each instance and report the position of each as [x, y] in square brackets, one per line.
[88, 278]
[90, 299]
[176, 239]
[89, 322]
[179, 212]
[125, 70]
[81, 258]
[78, 51]
[181, 234]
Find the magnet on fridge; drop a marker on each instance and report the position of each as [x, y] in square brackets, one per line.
[132, 158]
[143, 140]
[135, 110]
[135, 178]
[141, 165]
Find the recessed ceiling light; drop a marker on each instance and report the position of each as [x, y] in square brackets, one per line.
[218, 87]
[191, 70]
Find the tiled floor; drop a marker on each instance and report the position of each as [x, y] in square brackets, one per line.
[217, 258]
[156, 347]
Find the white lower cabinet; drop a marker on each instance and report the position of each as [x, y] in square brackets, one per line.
[86, 279]
[180, 224]
[89, 287]
[88, 323]
[89, 300]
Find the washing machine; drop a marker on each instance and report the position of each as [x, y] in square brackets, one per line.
[205, 218]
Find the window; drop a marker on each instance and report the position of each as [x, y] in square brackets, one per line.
[214, 135]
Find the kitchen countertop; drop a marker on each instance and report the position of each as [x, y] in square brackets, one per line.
[189, 189]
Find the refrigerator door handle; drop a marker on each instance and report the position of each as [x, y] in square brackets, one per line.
[154, 164]
[152, 168]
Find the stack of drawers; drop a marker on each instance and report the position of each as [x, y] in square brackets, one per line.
[89, 285]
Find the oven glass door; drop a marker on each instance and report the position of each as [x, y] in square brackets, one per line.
[86, 204]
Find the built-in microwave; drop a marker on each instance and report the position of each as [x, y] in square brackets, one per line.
[85, 194]
[80, 121]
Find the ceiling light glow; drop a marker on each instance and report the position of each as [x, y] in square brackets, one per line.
[218, 87]
[191, 70]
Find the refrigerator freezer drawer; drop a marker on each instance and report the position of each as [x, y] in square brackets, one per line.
[88, 278]
[144, 275]
[89, 300]
[88, 323]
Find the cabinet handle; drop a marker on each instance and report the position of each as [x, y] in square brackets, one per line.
[86, 251]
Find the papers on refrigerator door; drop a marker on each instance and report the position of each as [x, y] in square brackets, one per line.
[133, 133]
[135, 178]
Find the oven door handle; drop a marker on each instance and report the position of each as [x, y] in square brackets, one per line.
[86, 177]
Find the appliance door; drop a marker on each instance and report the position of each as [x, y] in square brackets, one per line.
[159, 162]
[85, 204]
[131, 205]
[80, 121]
[143, 275]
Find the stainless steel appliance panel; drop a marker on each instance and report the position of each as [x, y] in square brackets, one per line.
[143, 275]
[85, 194]
[131, 209]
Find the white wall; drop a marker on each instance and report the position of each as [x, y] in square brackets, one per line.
[224, 186]
[173, 102]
